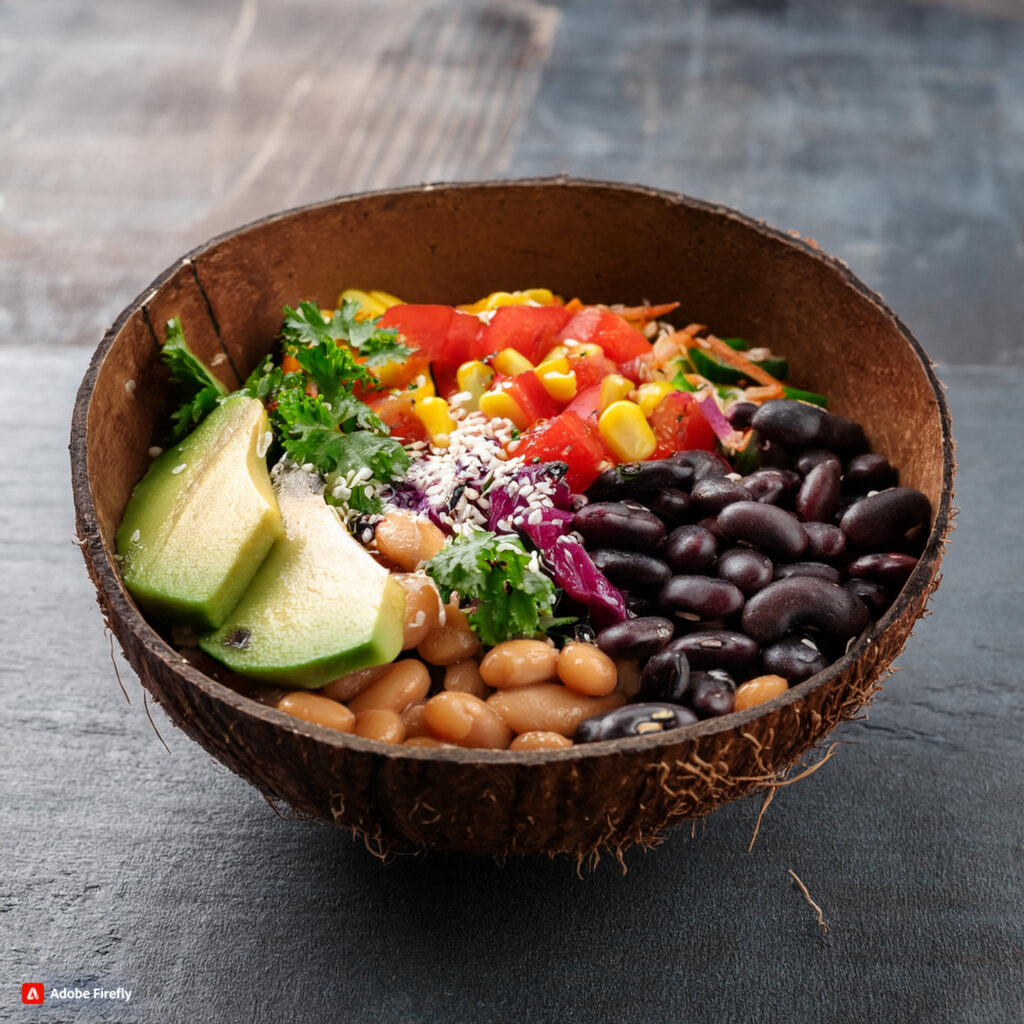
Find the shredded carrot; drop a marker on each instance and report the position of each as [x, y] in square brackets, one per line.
[645, 313]
[761, 394]
[290, 364]
[739, 361]
[573, 306]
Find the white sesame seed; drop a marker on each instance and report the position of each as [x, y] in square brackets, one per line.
[129, 385]
[136, 536]
[155, 451]
[177, 469]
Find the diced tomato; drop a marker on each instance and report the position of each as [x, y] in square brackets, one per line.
[567, 439]
[396, 411]
[587, 404]
[589, 368]
[530, 330]
[679, 425]
[423, 327]
[445, 383]
[463, 332]
[633, 369]
[602, 327]
[443, 335]
[529, 394]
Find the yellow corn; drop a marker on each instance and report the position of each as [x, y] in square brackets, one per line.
[473, 378]
[541, 296]
[368, 306]
[579, 349]
[649, 396]
[553, 364]
[614, 387]
[558, 352]
[560, 386]
[423, 386]
[433, 413]
[510, 362]
[501, 403]
[626, 431]
[386, 299]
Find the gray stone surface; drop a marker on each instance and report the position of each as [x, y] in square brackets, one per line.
[890, 132]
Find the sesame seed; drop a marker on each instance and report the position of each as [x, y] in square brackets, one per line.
[179, 468]
[155, 451]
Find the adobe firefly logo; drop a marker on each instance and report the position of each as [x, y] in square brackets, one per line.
[32, 993]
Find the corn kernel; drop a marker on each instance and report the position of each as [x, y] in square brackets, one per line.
[560, 386]
[580, 349]
[433, 413]
[649, 396]
[558, 352]
[501, 403]
[540, 296]
[614, 387]
[473, 378]
[368, 306]
[553, 364]
[626, 431]
[386, 299]
[510, 362]
[423, 386]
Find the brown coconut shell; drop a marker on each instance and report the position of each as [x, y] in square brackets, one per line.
[449, 244]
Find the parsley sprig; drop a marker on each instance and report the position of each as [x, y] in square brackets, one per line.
[203, 390]
[326, 424]
[502, 579]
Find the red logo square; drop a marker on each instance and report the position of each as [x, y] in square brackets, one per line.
[33, 993]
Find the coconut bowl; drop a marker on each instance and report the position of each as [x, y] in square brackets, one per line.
[450, 244]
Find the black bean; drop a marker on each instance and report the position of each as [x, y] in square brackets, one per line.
[795, 658]
[888, 568]
[884, 517]
[703, 464]
[874, 596]
[740, 414]
[802, 425]
[636, 638]
[771, 486]
[744, 568]
[670, 505]
[619, 524]
[703, 596]
[815, 457]
[818, 570]
[818, 497]
[824, 540]
[787, 605]
[712, 494]
[638, 605]
[665, 677]
[711, 693]
[710, 523]
[630, 568]
[769, 527]
[772, 455]
[690, 549]
[717, 648]
[633, 720]
[637, 478]
[868, 472]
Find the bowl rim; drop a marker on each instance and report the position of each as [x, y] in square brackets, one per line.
[917, 587]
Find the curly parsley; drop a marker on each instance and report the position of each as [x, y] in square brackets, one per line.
[502, 579]
[203, 390]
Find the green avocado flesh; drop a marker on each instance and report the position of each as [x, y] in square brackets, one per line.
[202, 520]
[319, 607]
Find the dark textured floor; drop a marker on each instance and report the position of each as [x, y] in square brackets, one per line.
[893, 133]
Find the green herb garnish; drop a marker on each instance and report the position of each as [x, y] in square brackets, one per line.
[204, 391]
[502, 579]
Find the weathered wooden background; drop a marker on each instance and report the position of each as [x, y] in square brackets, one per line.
[891, 132]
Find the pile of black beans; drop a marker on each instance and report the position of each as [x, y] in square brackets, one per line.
[728, 578]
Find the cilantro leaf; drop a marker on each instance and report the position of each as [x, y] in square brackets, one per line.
[508, 590]
[203, 390]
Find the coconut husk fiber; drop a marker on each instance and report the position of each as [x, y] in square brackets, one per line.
[449, 244]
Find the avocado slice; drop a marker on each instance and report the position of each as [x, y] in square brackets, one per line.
[320, 606]
[202, 520]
